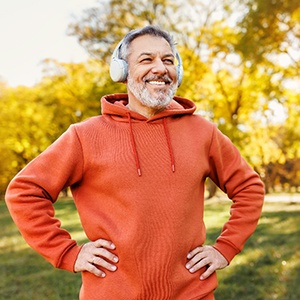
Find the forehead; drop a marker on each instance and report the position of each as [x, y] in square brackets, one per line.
[149, 44]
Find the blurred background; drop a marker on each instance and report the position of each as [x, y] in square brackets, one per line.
[242, 69]
[241, 60]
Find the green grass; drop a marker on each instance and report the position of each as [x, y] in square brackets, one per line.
[268, 268]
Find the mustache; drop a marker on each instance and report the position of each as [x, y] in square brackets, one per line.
[164, 78]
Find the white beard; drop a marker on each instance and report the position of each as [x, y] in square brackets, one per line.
[162, 98]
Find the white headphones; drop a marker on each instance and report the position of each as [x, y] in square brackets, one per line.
[119, 67]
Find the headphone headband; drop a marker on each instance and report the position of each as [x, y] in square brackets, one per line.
[119, 67]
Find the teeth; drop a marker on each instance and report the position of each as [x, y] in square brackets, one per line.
[157, 82]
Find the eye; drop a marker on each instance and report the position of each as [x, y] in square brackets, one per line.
[146, 59]
[169, 61]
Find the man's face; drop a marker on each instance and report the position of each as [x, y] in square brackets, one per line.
[152, 78]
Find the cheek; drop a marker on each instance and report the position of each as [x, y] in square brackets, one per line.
[139, 73]
[172, 73]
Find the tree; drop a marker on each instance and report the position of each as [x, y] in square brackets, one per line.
[270, 27]
[97, 30]
[23, 130]
[270, 36]
[72, 92]
[232, 53]
[33, 118]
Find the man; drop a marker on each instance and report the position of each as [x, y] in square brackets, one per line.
[137, 175]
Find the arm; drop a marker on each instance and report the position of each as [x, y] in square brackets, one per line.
[31, 194]
[243, 186]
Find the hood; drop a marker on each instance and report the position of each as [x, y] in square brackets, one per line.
[115, 106]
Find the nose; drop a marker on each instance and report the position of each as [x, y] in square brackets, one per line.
[159, 67]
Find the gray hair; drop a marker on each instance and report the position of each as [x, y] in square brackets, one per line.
[148, 30]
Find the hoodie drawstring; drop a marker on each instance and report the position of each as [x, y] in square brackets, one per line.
[136, 156]
[133, 144]
[169, 145]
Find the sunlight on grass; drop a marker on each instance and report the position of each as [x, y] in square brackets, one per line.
[67, 213]
[268, 268]
[269, 265]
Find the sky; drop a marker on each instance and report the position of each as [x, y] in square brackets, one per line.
[33, 30]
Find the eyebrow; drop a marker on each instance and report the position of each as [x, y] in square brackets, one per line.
[152, 54]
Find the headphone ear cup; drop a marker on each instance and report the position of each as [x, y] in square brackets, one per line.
[118, 70]
[179, 71]
[119, 67]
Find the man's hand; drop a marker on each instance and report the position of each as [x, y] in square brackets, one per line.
[205, 256]
[95, 254]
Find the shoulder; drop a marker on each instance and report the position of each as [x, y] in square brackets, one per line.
[92, 121]
[205, 125]
[90, 124]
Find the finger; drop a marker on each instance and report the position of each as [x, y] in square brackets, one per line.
[194, 252]
[104, 243]
[82, 264]
[94, 270]
[90, 251]
[195, 259]
[208, 272]
[104, 264]
[102, 252]
[194, 266]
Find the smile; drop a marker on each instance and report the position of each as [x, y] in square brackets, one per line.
[157, 82]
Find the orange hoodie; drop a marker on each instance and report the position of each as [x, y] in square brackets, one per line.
[139, 183]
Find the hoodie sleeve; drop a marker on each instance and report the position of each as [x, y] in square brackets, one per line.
[31, 194]
[243, 186]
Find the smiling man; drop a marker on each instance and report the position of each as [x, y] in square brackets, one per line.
[137, 175]
[152, 80]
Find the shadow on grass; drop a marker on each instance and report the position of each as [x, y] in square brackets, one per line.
[25, 275]
[30, 277]
[269, 266]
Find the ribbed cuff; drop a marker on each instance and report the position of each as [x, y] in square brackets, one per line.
[68, 260]
[227, 250]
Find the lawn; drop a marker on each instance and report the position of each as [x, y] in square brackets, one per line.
[268, 268]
